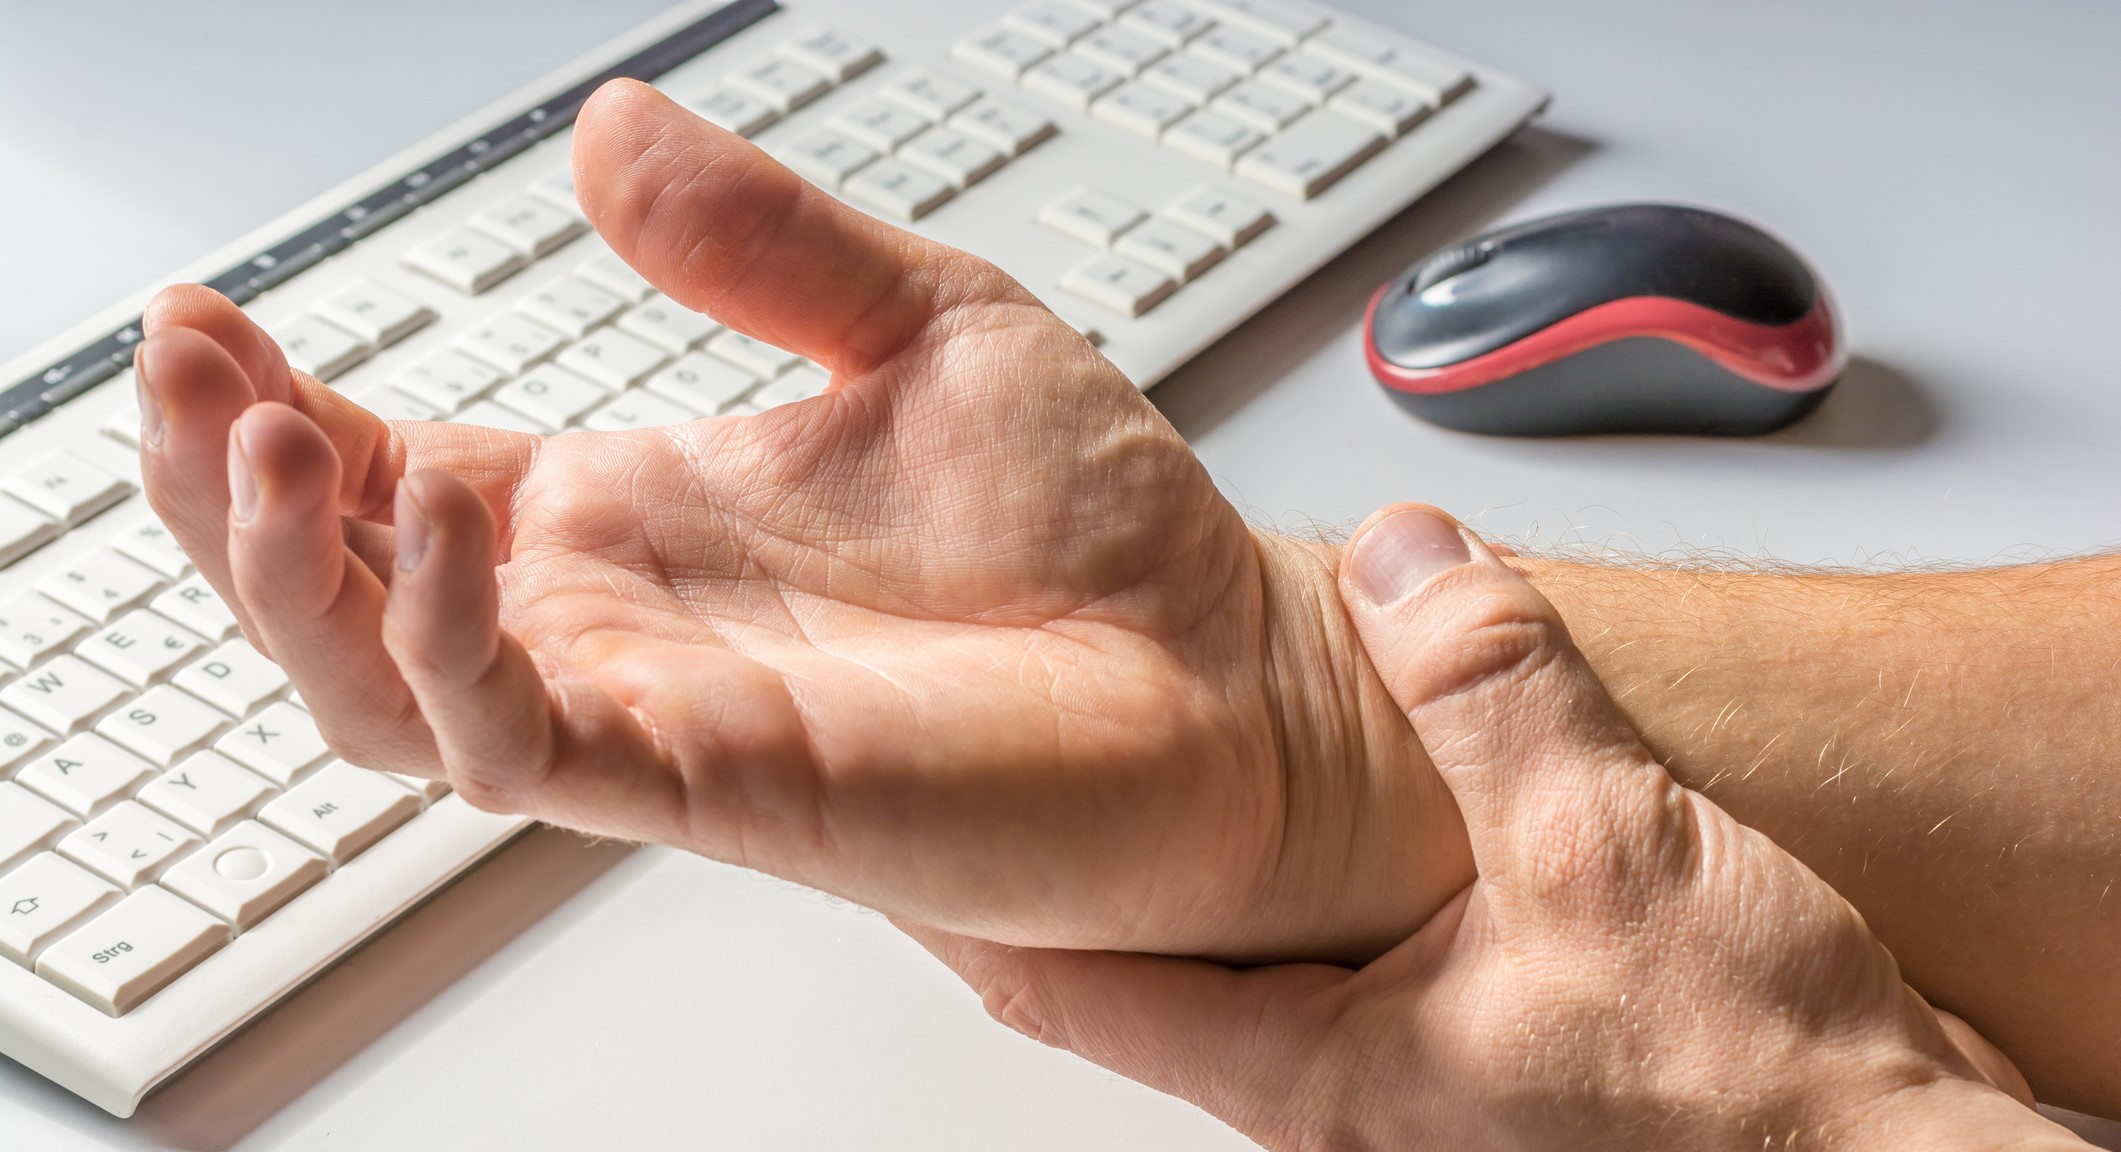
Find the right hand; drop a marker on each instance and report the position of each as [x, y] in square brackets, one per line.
[1631, 970]
[972, 638]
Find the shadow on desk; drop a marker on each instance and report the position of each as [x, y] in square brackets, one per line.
[1199, 395]
[228, 1094]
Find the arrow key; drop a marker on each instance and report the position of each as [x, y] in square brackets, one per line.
[41, 900]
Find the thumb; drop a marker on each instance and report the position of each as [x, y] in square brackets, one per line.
[1544, 768]
[1236, 1042]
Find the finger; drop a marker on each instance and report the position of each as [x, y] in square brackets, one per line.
[373, 453]
[1236, 1042]
[497, 725]
[723, 228]
[1546, 771]
[315, 604]
[191, 391]
[197, 307]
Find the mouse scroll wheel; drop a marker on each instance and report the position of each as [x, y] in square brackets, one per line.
[1448, 263]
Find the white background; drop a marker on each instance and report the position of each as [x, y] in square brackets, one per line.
[1952, 167]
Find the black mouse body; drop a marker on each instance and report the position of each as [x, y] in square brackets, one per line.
[1636, 318]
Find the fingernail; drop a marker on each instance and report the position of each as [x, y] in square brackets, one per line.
[411, 520]
[1395, 557]
[242, 484]
[150, 408]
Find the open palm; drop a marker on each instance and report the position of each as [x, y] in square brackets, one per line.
[971, 638]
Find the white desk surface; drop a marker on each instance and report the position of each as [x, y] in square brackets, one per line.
[1950, 166]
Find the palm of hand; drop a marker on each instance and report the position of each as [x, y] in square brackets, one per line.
[971, 639]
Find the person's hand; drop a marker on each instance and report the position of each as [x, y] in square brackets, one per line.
[1631, 969]
[972, 638]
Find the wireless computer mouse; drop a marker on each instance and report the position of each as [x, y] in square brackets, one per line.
[1634, 318]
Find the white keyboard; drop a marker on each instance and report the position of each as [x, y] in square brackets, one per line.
[178, 847]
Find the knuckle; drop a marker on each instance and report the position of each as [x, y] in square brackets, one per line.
[1499, 638]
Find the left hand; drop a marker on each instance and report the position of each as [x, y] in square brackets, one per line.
[1632, 969]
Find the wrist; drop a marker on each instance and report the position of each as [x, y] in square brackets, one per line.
[1354, 766]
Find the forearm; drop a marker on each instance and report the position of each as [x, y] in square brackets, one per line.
[1941, 747]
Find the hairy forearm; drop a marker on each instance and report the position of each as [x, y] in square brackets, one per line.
[1944, 748]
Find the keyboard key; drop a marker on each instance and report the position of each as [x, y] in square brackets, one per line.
[529, 225]
[66, 488]
[826, 158]
[929, 94]
[1190, 76]
[381, 316]
[510, 342]
[28, 825]
[1171, 248]
[100, 584]
[487, 414]
[1053, 22]
[1072, 80]
[1309, 157]
[880, 125]
[1122, 285]
[702, 383]
[1213, 137]
[1166, 21]
[1012, 129]
[1235, 49]
[207, 793]
[162, 725]
[570, 305]
[755, 356]
[32, 628]
[1435, 78]
[43, 900]
[246, 874]
[557, 189]
[953, 156]
[64, 694]
[1106, 9]
[1285, 23]
[129, 845]
[387, 403]
[617, 360]
[1002, 51]
[22, 531]
[899, 189]
[783, 85]
[124, 426]
[122, 957]
[234, 677]
[465, 260]
[280, 744]
[139, 648]
[194, 604]
[668, 324]
[833, 55]
[427, 790]
[552, 397]
[800, 383]
[637, 409]
[607, 271]
[447, 380]
[1141, 109]
[1311, 77]
[319, 347]
[1091, 216]
[150, 542]
[1388, 108]
[1261, 105]
[1121, 49]
[19, 739]
[341, 810]
[736, 112]
[85, 775]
